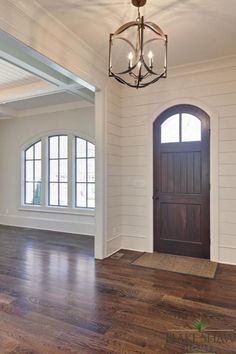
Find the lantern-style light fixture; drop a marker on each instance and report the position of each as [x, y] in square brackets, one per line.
[146, 47]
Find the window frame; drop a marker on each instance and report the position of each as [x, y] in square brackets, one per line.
[25, 173]
[58, 159]
[87, 183]
[44, 206]
[179, 116]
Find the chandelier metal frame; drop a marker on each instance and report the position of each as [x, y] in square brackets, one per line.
[142, 73]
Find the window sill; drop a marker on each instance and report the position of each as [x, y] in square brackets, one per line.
[58, 210]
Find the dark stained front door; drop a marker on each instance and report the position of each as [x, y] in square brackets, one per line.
[182, 182]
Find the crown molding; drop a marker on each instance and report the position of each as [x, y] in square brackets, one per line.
[203, 66]
[6, 112]
[55, 108]
[17, 93]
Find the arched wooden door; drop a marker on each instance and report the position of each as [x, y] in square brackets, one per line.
[182, 182]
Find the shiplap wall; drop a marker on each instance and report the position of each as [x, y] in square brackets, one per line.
[15, 135]
[113, 154]
[52, 39]
[215, 87]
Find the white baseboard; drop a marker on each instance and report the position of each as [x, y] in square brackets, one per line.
[135, 243]
[227, 255]
[48, 224]
[132, 243]
[114, 245]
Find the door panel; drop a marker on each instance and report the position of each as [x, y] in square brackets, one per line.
[181, 187]
[180, 172]
[177, 222]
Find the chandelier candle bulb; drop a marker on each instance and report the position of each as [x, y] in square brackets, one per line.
[150, 56]
[136, 36]
[130, 57]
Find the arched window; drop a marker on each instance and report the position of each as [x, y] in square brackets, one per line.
[67, 178]
[183, 127]
[85, 174]
[58, 170]
[33, 174]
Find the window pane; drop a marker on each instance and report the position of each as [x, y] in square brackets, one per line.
[63, 171]
[191, 128]
[81, 170]
[63, 146]
[53, 145]
[91, 150]
[29, 193]
[29, 173]
[63, 194]
[29, 154]
[91, 170]
[170, 130]
[53, 198]
[91, 195]
[37, 193]
[53, 171]
[37, 176]
[37, 150]
[81, 195]
[80, 147]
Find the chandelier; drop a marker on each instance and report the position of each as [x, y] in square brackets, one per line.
[146, 47]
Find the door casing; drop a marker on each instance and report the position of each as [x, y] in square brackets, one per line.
[188, 201]
[147, 243]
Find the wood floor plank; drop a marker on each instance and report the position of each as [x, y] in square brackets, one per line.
[56, 299]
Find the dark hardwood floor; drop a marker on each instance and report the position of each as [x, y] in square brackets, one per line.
[55, 298]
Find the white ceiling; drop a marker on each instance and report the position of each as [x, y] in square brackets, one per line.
[13, 76]
[23, 90]
[197, 29]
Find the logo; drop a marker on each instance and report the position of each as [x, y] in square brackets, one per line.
[199, 338]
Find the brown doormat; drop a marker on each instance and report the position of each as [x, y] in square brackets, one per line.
[178, 264]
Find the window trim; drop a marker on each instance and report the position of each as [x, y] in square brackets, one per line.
[45, 207]
[179, 116]
[24, 173]
[58, 159]
[87, 183]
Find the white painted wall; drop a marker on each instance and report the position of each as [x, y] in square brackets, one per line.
[212, 87]
[124, 173]
[113, 173]
[14, 134]
[38, 29]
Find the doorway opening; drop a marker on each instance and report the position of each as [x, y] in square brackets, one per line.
[52, 90]
[181, 191]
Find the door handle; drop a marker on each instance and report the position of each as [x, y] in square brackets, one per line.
[155, 197]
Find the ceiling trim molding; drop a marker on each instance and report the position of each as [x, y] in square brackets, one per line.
[7, 113]
[55, 108]
[203, 66]
[17, 93]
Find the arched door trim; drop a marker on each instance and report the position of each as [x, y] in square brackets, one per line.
[214, 178]
[181, 193]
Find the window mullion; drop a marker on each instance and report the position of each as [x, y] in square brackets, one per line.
[44, 170]
[70, 172]
[180, 127]
[86, 164]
